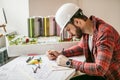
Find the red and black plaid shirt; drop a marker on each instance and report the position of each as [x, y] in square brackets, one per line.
[104, 60]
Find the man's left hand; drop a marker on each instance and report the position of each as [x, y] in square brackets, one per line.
[63, 61]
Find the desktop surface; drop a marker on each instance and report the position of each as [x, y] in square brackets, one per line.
[19, 69]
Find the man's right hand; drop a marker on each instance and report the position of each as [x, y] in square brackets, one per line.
[52, 54]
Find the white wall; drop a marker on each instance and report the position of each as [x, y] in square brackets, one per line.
[17, 14]
[1, 3]
[1, 14]
[46, 7]
[17, 11]
[108, 10]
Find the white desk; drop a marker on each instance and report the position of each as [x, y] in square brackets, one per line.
[18, 69]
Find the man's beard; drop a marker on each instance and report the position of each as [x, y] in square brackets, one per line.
[78, 32]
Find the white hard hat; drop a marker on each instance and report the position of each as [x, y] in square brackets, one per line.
[65, 13]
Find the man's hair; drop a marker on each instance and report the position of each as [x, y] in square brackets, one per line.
[79, 14]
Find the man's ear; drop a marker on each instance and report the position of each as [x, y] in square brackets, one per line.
[77, 21]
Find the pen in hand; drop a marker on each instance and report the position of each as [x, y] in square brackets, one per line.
[63, 51]
[52, 53]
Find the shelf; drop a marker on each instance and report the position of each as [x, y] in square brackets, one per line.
[40, 48]
[41, 45]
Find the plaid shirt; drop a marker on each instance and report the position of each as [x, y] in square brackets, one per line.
[104, 59]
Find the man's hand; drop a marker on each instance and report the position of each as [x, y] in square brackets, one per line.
[52, 54]
[63, 61]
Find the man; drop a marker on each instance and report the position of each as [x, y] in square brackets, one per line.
[100, 43]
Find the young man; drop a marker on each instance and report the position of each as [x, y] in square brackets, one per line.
[100, 43]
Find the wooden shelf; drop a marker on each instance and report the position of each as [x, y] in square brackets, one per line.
[3, 26]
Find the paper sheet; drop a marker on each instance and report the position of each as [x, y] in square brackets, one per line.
[20, 70]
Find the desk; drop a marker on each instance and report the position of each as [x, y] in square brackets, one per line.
[18, 69]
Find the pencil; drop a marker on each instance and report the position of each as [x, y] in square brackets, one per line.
[60, 69]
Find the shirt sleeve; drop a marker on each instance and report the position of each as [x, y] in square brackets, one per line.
[74, 50]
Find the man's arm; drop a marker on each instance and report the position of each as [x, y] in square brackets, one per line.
[74, 50]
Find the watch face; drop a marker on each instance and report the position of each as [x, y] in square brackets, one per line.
[67, 63]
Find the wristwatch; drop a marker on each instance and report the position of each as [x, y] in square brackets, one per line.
[69, 63]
